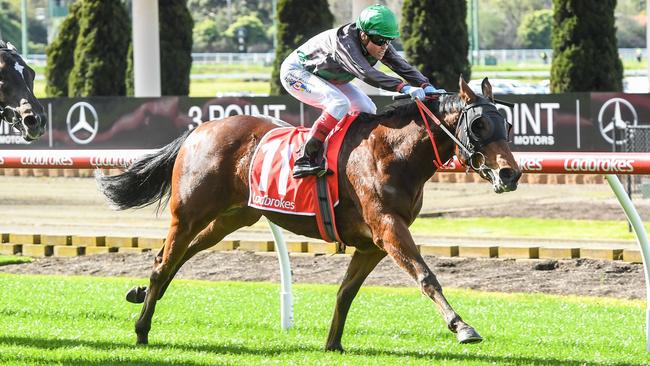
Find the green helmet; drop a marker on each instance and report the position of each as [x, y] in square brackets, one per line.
[378, 20]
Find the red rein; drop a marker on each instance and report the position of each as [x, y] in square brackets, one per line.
[423, 109]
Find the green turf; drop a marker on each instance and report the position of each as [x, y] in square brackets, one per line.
[85, 321]
[212, 87]
[500, 227]
[12, 259]
[515, 227]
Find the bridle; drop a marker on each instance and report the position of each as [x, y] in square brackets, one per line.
[10, 114]
[468, 141]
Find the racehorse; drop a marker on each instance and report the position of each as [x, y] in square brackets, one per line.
[18, 106]
[384, 163]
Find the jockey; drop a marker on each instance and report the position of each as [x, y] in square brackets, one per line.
[319, 72]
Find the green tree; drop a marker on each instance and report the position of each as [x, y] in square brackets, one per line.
[585, 54]
[435, 39]
[9, 29]
[255, 32]
[128, 78]
[535, 30]
[175, 46]
[100, 54]
[630, 30]
[298, 21]
[500, 19]
[60, 54]
[214, 17]
[206, 36]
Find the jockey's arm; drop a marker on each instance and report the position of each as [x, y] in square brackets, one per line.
[356, 64]
[402, 68]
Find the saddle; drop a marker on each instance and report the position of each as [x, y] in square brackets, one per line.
[272, 186]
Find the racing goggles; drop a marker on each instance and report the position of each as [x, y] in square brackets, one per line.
[379, 40]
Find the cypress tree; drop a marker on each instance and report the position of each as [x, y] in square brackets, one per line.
[585, 54]
[176, 26]
[128, 78]
[297, 21]
[60, 54]
[100, 54]
[435, 39]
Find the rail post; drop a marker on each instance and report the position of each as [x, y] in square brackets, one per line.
[286, 297]
[642, 238]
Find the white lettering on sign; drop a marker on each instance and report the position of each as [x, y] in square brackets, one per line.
[599, 165]
[108, 161]
[217, 111]
[530, 164]
[524, 119]
[46, 160]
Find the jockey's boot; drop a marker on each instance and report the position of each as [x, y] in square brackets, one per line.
[310, 161]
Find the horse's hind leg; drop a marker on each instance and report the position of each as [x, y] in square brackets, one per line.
[360, 266]
[207, 238]
[175, 254]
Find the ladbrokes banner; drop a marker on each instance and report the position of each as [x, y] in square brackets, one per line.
[580, 122]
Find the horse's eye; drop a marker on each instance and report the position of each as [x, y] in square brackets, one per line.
[477, 126]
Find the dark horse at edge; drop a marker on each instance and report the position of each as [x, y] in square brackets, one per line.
[18, 106]
[384, 163]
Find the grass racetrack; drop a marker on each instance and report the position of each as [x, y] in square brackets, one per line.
[85, 321]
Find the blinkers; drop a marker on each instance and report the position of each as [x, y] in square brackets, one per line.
[480, 124]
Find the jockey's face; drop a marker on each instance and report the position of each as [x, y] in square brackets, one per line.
[375, 50]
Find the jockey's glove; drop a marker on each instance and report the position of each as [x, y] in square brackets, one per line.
[414, 91]
[429, 89]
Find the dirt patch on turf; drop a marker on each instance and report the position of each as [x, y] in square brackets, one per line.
[574, 277]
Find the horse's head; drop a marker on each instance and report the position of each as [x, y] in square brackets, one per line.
[18, 105]
[483, 133]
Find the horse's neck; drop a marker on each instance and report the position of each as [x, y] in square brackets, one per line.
[410, 142]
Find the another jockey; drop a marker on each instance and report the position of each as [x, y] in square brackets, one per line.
[319, 72]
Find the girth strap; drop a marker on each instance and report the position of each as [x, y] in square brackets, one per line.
[325, 213]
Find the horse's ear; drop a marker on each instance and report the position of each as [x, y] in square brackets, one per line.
[486, 87]
[466, 93]
[11, 47]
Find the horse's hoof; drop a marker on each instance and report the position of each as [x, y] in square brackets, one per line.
[334, 348]
[142, 339]
[467, 335]
[136, 295]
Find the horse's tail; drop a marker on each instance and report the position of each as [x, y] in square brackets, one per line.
[146, 181]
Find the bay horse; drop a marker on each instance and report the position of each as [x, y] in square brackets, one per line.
[384, 163]
[19, 108]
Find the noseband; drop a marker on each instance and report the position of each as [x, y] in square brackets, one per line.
[11, 116]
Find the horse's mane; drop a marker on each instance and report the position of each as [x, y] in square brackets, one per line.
[406, 109]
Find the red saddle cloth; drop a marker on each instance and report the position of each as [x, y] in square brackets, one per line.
[272, 186]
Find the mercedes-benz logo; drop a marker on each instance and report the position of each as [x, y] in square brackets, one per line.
[613, 119]
[80, 130]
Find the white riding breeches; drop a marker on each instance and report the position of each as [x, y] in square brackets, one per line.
[336, 99]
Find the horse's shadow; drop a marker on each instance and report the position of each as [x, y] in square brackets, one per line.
[271, 350]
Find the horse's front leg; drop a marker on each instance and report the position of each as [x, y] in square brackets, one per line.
[393, 235]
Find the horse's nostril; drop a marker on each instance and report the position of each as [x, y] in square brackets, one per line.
[507, 175]
[30, 121]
